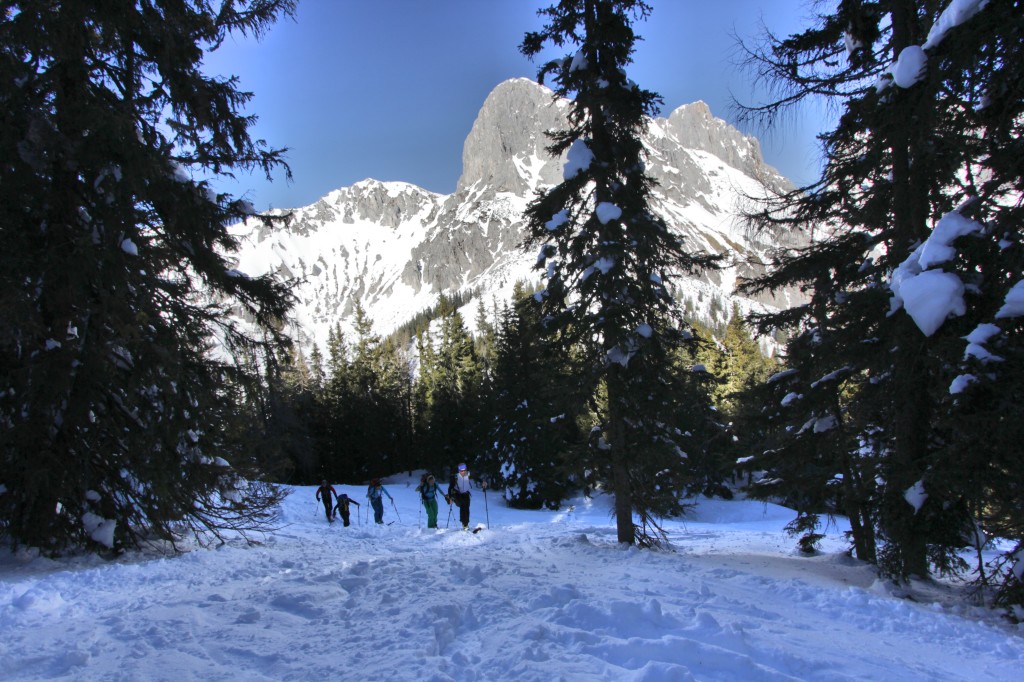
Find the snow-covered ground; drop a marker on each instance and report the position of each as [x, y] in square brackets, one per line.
[539, 596]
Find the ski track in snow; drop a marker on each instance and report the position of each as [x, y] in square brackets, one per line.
[541, 596]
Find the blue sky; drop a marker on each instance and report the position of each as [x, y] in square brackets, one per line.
[389, 89]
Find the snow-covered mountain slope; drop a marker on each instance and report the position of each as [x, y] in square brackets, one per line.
[395, 247]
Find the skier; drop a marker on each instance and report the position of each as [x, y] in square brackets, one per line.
[343, 507]
[458, 492]
[323, 494]
[428, 496]
[375, 492]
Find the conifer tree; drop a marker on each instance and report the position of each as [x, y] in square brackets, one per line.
[316, 370]
[317, 417]
[485, 338]
[813, 455]
[918, 205]
[376, 400]
[422, 397]
[449, 392]
[698, 377]
[738, 365]
[744, 364]
[366, 404]
[608, 260]
[336, 442]
[540, 420]
[114, 271]
[276, 423]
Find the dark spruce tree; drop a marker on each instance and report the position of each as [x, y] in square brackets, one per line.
[540, 418]
[377, 401]
[744, 365]
[335, 437]
[699, 376]
[732, 366]
[919, 203]
[115, 284]
[811, 458]
[608, 261]
[290, 423]
[448, 394]
[978, 71]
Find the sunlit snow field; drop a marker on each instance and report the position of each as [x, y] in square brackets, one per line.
[539, 595]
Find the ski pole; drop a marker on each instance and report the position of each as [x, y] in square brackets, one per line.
[449, 514]
[395, 507]
[486, 508]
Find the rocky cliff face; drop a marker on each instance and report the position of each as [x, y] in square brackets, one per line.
[395, 247]
[505, 150]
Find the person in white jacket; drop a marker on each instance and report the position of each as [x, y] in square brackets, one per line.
[459, 493]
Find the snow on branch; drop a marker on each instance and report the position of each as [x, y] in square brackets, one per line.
[578, 159]
[1013, 304]
[930, 296]
[912, 60]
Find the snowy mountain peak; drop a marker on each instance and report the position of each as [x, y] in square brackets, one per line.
[693, 126]
[395, 247]
[505, 149]
[385, 203]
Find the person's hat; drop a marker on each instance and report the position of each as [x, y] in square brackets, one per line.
[375, 481]
[462, 467]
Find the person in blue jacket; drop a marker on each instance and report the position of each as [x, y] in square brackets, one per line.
[376, 494]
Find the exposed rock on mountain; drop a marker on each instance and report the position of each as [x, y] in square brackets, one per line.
[395, 247]
[505, 150]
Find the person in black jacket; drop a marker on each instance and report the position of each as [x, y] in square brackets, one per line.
[323, 494]
[458, 492]
[343, 507]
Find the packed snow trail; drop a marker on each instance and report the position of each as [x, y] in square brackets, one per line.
[540, 596]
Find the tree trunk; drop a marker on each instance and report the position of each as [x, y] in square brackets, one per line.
[622, 487]
[855, 504]
[911, 429]
[910, 426]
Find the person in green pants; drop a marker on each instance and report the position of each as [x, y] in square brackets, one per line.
[428, 496]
